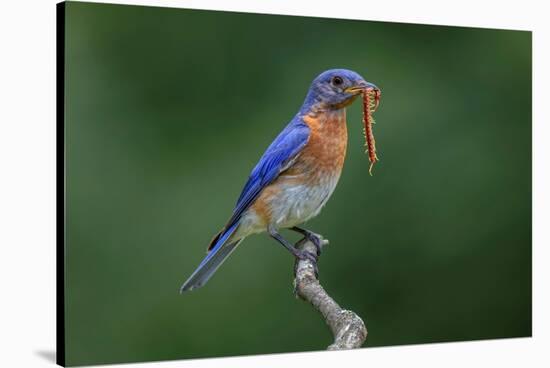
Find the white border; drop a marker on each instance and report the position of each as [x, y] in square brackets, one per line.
[27, 180]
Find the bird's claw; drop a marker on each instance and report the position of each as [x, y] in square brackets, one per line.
[316, 240]
[312, 258]
[312, 237]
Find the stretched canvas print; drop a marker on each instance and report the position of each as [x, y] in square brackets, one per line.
[238, 183]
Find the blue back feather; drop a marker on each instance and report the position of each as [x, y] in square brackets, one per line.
[281, 151]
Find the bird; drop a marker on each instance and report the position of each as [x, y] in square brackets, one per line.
[295, 176]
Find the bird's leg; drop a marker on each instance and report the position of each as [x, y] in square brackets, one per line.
[311, 236]
[301, 254]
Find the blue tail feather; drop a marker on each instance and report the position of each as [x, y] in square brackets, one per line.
[213, 260]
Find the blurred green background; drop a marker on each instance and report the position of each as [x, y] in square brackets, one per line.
[168, 110]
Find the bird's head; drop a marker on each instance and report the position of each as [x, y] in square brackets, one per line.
[336, 88]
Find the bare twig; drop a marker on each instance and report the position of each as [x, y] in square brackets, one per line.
[347, 327]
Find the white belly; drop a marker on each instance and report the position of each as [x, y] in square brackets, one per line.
[296, 204]
[291, 206]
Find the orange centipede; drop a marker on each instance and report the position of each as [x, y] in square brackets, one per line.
[371, 99]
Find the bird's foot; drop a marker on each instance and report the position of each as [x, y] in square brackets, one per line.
[315, 238]
[304, 255]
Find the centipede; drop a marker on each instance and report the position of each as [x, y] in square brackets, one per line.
[371, 100]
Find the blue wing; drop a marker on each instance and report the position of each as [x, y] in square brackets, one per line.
[278, 155]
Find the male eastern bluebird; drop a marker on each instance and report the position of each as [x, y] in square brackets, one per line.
[295, 176]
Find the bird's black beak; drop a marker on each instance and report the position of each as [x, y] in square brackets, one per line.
[360, 87]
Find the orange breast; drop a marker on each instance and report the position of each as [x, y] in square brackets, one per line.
[325, 151]
[319, 163]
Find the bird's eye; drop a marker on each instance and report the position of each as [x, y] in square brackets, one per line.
[337, 81]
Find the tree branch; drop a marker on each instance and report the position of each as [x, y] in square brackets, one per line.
[347, 327]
